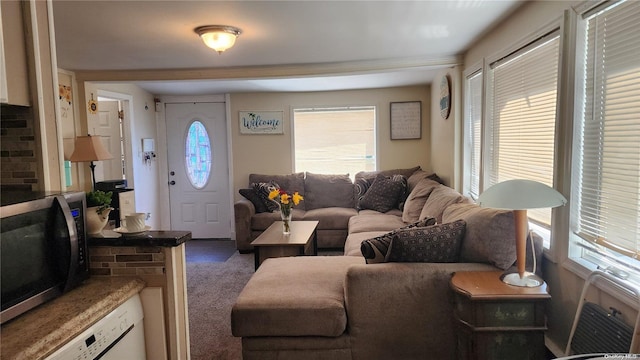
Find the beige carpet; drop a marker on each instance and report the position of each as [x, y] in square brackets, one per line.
[212, 289]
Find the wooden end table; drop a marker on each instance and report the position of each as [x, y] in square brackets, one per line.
[302, 240]
[496, 320]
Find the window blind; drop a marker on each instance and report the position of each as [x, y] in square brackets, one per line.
[522, 113]
[474, 129]
[609, 187]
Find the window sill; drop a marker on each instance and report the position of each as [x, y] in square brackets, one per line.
[583, 269]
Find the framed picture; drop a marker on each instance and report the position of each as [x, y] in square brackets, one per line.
[406, 120]
[261, 122]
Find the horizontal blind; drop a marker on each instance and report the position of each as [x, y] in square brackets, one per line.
[474, 129]
[523, 115]
[609, 188]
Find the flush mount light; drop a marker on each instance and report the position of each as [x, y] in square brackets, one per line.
[218, 37]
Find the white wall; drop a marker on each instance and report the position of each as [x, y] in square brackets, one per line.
[273, 154]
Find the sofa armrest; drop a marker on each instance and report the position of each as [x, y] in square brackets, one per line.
[243, 212]
[402, 310]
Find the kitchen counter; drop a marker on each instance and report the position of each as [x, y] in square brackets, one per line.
[166, 238]
[39, 332]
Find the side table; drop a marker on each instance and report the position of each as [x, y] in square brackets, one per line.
[496, 320]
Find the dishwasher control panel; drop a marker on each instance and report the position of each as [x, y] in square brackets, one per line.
[103, 335]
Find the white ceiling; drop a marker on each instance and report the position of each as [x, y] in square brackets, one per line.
[284, 45]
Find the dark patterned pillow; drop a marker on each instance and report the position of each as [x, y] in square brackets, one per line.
[256, 200]
[405, 189]
[374, 250]
[384, 194]
[435, 244]
[263, 189]
[361, 186]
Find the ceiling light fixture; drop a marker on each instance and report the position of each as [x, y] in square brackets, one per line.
[218, 37]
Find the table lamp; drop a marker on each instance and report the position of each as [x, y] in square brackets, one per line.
[519, 195]
[89, 148]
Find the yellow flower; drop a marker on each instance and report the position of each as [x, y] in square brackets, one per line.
[297, 198]
[274, 194]
[284, 198]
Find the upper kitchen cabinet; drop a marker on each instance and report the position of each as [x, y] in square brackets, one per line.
[14, 80]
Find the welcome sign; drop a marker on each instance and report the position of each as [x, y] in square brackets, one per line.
[261, 122]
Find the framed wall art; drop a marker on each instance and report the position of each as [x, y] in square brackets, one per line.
[261, 122]
[406, 120]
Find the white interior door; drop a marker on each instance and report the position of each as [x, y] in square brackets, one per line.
[199, 192]
[107, 126]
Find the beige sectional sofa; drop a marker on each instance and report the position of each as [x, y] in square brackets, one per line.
[341, 307]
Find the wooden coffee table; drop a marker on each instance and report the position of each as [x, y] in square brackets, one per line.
[302, 240]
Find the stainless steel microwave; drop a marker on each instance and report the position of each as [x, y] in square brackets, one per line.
[43, 248]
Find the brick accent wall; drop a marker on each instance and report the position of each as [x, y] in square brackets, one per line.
[126, 260]
[18, 148]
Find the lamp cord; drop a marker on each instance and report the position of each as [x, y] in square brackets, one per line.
[533, 251]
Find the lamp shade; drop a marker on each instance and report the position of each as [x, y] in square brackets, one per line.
[521, 194]
[89, 148]
[218, 37]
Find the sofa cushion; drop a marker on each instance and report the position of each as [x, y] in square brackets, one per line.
[375, 249]
[331, 217]
[384, 194]
[418, 176]
[263, 189]
[373, 174]
[439, 199]
[371, 222]
[489, 236]
[437, 244]
[253, 196]
[417, 198]
[290, 183]
[309, 303]
[323, 191]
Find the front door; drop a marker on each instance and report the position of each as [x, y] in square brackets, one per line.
[199, 193]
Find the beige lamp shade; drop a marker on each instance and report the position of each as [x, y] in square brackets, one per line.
[89, 148]
[519, 195]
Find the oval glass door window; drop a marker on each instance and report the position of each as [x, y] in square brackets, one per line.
[198, 155]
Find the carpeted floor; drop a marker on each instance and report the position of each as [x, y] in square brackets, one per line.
[212, 288]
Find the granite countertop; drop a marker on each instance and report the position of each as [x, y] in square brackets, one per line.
[39, 332]
[167, 238]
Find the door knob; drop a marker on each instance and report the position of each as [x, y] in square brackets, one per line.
[172, 173]
[172, 182]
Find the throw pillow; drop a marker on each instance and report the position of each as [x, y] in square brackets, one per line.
[374, 250]
[361, 186]
[439, 199]
[383, 195]
[256, 200]
[263, 189]
[435, 244]
[490, 235]
[416, 200]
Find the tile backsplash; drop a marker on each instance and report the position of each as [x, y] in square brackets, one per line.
[126, 260]
[18, 148]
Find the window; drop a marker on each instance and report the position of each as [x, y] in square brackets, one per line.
[335, 140]
[521, 108]
[198, 155]
[606, 187]
[472, 134]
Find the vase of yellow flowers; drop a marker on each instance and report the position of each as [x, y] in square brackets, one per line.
[286, 202]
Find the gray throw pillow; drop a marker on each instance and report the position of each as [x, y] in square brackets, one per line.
[434, 244]
[384, 194]
[375, 250]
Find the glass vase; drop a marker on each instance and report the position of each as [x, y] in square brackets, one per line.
[286, 223]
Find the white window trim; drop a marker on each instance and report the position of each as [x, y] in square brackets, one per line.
[466, 160]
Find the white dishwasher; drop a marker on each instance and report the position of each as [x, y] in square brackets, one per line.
[117, 336]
